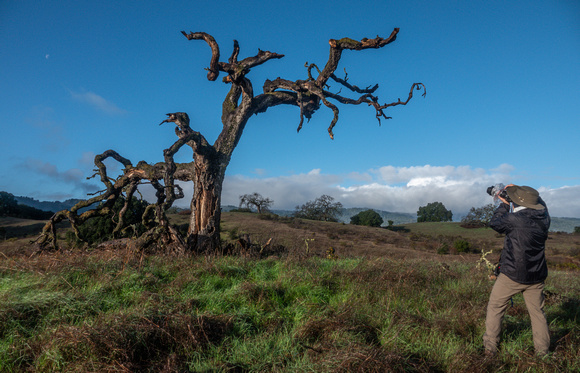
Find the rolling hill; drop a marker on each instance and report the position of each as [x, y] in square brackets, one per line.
[559, 224]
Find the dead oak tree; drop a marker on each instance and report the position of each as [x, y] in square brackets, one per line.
[209, 164]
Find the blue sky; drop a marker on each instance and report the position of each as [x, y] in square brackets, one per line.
[502, 78]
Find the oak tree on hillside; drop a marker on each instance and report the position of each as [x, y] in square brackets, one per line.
[322, 208]
[369, 217]
[255, 200]
[207, 170]
[433, 212]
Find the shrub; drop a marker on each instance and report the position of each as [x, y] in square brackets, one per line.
[443, 249]
[369, 218]
[462, 246]
[241, 209]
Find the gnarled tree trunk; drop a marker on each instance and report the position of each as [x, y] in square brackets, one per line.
[204, 222]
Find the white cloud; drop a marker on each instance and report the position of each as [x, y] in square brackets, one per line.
[97, 102]
[562, 202]
[286, 191]
[458, 188]
[397, 189]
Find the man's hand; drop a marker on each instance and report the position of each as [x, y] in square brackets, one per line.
[500, 198]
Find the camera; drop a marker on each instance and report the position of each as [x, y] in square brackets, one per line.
[498, 190]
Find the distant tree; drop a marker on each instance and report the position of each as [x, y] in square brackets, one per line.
[369, 218]
[255, 200]
[322, 208]
[576, 229]
[479, 217]
[434, 211]
[8, 204]
[28, 212]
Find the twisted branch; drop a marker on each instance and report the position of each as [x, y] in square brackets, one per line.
[213, 70]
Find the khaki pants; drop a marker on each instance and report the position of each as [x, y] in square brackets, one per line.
[499, 300]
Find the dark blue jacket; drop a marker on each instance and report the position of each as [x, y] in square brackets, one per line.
[526, 231]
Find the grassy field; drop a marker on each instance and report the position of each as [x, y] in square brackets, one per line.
[383, 301]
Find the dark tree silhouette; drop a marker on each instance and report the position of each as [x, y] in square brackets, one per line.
[255, 200]
[434, 211]
[322, 208]
[369, 218]
[211, 160]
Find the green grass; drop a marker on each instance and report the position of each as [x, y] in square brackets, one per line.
[90, 312]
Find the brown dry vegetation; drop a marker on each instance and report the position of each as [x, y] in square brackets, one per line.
[276, 235]
[406, 308]
[410, 241]
[308, 237]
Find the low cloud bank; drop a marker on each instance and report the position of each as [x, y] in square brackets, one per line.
[397, 189]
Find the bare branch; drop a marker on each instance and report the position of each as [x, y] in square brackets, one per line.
[213, 70]
[354, 88]
[373, 101]
[185, 134]
[235, 53]
[417, 86]
[378, 42]
[238, 70]
[337, 46]
[260, 58]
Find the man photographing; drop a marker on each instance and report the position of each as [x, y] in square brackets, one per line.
[523, 267]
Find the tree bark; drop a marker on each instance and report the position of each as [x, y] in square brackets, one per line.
[204, 225]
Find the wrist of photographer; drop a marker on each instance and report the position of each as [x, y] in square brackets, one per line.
[502, 198]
